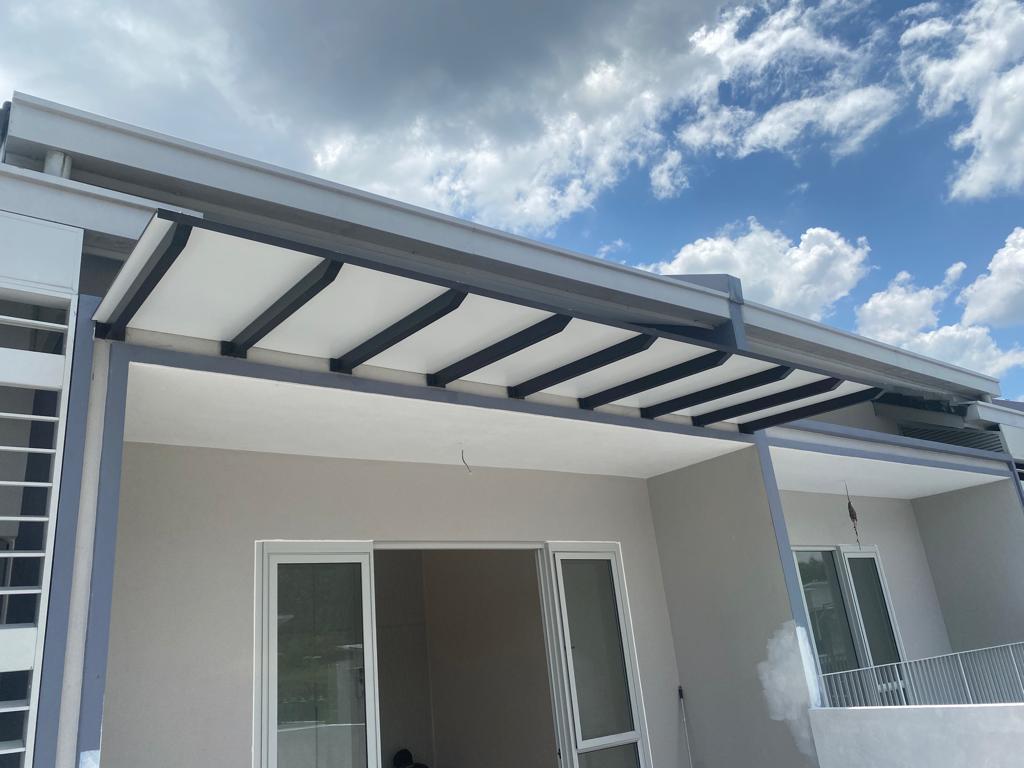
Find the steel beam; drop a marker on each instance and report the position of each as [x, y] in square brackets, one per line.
[656, 379]
[725, 389]
[768, 401]
[290, 302]
[545, 329]
[415, 321]
[161, 260]
[810, 410]
[599, 359]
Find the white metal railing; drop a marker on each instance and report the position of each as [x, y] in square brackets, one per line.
[985, 676]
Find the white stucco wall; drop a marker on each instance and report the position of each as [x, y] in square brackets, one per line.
[180, 677]
[974, 539]
[984, 736]
[819, 519]
[727, 600]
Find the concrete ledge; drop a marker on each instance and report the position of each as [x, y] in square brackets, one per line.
[990, 735]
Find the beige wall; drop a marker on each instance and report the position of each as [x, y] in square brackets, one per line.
[820, 519]
[488, 663]
[727, 600]
[179, 684]
[974, 539]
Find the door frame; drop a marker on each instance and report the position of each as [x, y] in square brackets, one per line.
[270, 554]
[547, 554]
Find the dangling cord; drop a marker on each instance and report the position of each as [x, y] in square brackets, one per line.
[853, 515]
[466, 463]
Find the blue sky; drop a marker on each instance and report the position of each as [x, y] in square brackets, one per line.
[857, 162]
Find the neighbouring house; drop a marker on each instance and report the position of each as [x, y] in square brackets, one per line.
[295, 476]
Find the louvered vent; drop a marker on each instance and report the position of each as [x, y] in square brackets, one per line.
[968, 438]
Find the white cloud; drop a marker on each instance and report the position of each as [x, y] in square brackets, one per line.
[849, 118]
[806, 278]
[997, 296]
[907, 315]
[901, 312]
[975, 59]
[607, 249]
[668, 177]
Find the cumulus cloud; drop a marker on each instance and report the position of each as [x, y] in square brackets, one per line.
[997, 296]
[908, 315]
[975, 58]
[806, 278]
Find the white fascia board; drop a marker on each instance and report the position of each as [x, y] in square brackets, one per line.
[44, 124]
[63, 201]
[789, 437]
[995, 414]
[772, 331]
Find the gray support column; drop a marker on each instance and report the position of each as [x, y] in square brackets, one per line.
[67, 732]
[97, 638]
[59, 602]
[789, 572]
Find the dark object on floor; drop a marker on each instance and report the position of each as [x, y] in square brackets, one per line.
[403, 759]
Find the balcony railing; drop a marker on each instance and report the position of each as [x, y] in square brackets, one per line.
[984, 676]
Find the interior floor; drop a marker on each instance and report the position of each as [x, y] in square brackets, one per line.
[462, 664]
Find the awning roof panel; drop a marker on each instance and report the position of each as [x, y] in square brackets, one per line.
[219, 285]
[359, 303]
[253, 291]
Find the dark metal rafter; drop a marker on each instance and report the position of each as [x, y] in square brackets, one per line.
[290, 302]
[415, 321]
[768, 401]
[527, 337]
[161, 260]
[658, 378]
[591, 362]
[807, 411]
[725, 389]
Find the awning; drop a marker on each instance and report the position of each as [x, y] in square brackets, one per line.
[255, 293]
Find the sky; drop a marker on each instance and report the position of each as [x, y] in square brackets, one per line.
[860, 163]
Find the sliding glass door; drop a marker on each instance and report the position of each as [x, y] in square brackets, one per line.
[318, 705]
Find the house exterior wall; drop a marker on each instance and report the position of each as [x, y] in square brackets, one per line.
[974, 539]
[819, 519]
[727, 601]
[990, 735]
[180, 677]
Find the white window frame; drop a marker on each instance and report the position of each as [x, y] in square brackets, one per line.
[842, 554]
[270, 554]
[610, 551]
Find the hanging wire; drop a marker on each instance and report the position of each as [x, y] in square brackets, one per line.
[853, 515]
[466, 463]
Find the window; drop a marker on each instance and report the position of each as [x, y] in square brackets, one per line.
[848, 607]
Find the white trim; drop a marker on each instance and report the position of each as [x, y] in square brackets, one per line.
[269, 555]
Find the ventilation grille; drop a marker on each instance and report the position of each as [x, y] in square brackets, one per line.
[968, 438]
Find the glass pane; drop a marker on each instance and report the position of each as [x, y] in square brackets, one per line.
[873, 610]
[321, 695]
[827, 611]
[624, 756]
[602, 690]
